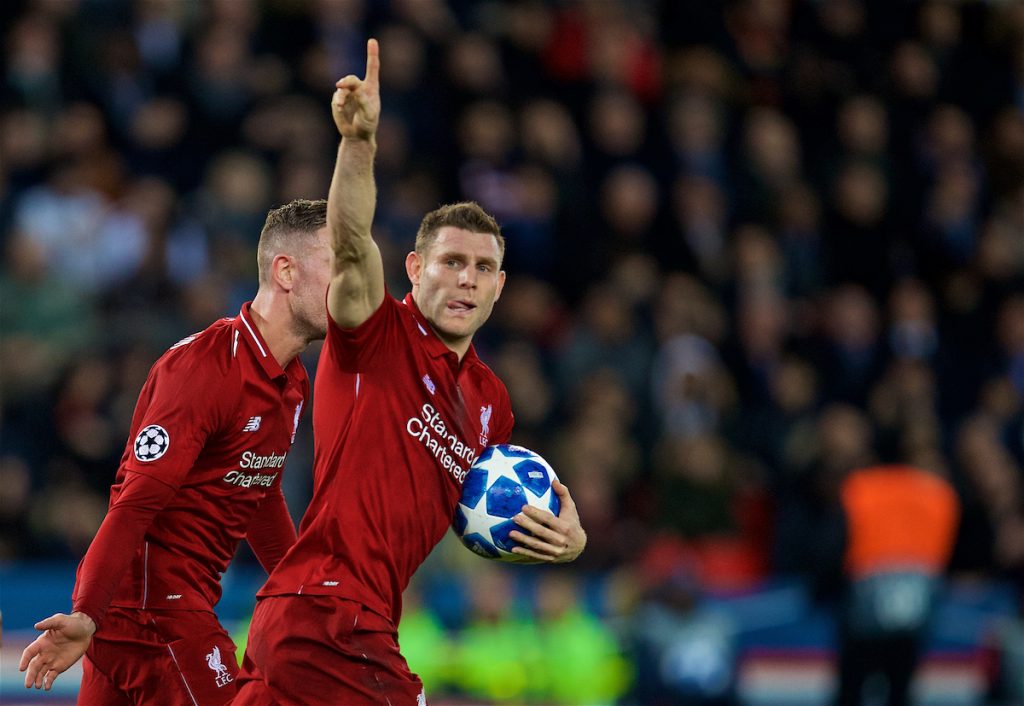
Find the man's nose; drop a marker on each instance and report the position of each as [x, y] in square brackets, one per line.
[467, 277]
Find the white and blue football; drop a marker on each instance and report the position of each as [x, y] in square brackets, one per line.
[500, 482]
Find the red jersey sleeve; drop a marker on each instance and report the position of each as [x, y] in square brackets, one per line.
[358, 349]
[271, 531]
[139, 500]
[187, 398]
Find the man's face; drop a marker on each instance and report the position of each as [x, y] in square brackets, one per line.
[456, 282]
[309, 296]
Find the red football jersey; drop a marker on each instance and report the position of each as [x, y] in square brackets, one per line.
[215, 421]
[397, 423]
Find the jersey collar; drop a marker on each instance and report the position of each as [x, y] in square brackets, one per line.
[434, 345]
[246, 330]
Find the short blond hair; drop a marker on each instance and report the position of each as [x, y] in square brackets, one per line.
[285, 228]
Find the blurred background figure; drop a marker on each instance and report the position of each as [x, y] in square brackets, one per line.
[900, 526]
[499, 650]
[588, 666]
[685, 650]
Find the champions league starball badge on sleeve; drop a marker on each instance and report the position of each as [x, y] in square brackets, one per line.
[152, 443]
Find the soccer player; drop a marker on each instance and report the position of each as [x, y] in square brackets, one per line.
[404, 406]
[201, 470]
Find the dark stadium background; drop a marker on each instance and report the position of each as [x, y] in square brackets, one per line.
[748, 240]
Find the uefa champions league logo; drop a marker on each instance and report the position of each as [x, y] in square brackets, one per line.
[152, 443]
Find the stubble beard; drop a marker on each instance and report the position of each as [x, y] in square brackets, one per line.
[308, 330]
[468, 330]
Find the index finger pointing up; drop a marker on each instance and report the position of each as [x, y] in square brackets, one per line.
[372, 62]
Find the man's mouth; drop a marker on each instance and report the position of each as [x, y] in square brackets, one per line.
[460, 306]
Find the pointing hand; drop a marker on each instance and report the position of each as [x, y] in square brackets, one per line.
[356, 102]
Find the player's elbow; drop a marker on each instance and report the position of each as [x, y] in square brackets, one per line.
[351, 250]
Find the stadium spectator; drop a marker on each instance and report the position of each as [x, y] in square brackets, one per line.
[684, 649]
[590, 668]
[499, 656]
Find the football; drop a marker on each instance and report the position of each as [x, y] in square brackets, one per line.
[500, 482]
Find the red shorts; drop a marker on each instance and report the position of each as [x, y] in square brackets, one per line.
[323, 651]
[177, 658]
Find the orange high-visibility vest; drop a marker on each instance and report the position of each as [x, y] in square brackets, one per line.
[898, 518]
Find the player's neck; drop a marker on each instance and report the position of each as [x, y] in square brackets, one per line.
[276, 328]
[459, 346]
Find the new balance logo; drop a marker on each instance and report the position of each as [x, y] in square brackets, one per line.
[429, 384]
[253, 424]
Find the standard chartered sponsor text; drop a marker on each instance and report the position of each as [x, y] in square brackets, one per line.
[248, 480]
[255, 461]
[451, 452]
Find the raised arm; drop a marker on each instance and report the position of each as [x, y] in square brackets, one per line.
[357, 282]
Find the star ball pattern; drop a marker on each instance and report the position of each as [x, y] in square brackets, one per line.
[152, 443]
[503, 479]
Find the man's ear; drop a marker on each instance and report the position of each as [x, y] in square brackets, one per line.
[413, 267]
[501, 285]
[283, 271]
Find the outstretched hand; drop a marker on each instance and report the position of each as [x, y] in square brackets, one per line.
[63, 642]
[356, 102]
[552, 540]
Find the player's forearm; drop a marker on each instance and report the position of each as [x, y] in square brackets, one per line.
[113, 548]
[352, 199]
[105, 563]
[271, 532]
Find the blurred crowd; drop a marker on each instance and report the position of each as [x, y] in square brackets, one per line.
[752, 244]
